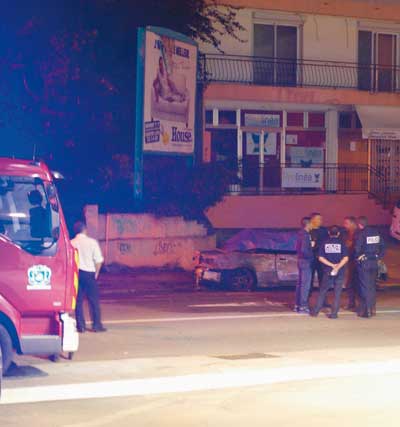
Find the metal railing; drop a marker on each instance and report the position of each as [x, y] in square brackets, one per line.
[253, 179]
[298, 73]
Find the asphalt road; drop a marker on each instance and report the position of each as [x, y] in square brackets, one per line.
[216, 359]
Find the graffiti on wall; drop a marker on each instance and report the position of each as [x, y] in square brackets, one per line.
[125, 248]
[126, 225]
[166, 247]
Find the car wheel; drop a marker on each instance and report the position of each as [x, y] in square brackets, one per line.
[6, 349]
[243, 280]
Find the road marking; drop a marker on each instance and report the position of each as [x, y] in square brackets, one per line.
[196, 382]
[264, 303]
[225, 317]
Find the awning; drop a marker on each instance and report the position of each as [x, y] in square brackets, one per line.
[379, 122]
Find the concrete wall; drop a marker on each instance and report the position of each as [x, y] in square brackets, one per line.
[286, 211]
[146, 241]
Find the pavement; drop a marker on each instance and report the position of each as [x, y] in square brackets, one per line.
[176, 357]
[216, 359]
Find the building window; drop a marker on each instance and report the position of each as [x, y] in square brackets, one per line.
[349, 120]
[276, 50]
[345, 120]
[377, 60]
[227, 117]
[295, 119]
[209, 117]
[316, 120]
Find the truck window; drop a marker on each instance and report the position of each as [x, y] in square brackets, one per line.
[29, 213]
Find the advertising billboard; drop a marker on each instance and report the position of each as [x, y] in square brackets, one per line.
[169, 93]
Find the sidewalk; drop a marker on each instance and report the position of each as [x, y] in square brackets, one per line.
[145, 281]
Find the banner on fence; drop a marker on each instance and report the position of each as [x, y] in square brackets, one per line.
[302, 177]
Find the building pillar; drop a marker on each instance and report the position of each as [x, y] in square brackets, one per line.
[261, 163]
[283, 142]
[240, 153]
[332, 149]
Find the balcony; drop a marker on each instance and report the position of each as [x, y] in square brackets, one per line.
[299, 73]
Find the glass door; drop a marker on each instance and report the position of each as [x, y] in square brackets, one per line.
[385, 61]
[377, 61]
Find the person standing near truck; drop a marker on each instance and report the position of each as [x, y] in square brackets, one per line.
[333, 255]
[90, 262]
[305, 257]
[318, 235]
[351, 281]
[369, 249]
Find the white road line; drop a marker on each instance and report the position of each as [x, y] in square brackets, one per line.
[225, 317]
[198, 382]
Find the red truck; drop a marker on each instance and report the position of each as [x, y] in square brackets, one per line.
[38, 265]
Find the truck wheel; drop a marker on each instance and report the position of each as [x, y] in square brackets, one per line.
[243, 280]
[6, 348]
[54, 358]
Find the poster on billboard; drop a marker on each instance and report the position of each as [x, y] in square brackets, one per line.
[169, 95]
[302, 177]
[306, 156]
[253, 143]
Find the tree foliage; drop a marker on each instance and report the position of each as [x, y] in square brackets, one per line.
[68, 76]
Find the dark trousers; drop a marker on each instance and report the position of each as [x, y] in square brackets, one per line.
[316, 268]
[304, 283]
[367, 273]
[88, 289]
[328, 282]
[352, 286]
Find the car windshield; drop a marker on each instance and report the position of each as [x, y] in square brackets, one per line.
[29, 213]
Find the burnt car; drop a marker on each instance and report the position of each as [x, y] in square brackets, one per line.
[251, 259]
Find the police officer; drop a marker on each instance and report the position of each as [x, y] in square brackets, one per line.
[305, 257]
[333, 255]
[351, 281]
[369, 249]
[318, 235]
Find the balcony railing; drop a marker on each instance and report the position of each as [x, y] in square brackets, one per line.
[299, 73]
[332, 178]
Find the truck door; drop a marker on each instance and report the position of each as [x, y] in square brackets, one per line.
[32, 254]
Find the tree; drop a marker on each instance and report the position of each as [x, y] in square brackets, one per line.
[69, 68]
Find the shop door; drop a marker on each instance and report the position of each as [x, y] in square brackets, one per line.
[377, 59]
[255, 176]
[224, 147]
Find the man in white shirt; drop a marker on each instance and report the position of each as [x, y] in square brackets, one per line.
[90, 262]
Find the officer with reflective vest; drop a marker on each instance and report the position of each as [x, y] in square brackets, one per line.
[333, 256]
[369, 249]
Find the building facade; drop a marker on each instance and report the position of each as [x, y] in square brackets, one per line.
[307, 100]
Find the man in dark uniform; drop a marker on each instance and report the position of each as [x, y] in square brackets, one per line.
[333, 255]
[351, 281]
[318, 235]
[305, 257]
[369, 249]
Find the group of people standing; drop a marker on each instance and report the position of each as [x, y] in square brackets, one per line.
[339, 257]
